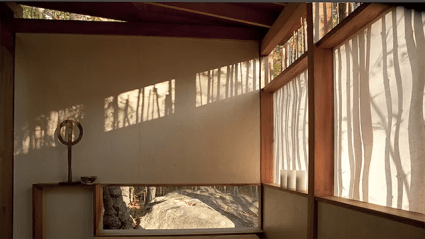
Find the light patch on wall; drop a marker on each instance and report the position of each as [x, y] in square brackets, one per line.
[227, 81]
[139, 105]
[40, 132]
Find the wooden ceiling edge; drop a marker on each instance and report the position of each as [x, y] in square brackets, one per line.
[17, 9]
[283, 26]
[133, 29]
[214, 13]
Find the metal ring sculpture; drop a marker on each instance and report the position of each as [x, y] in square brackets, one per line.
[72, 122]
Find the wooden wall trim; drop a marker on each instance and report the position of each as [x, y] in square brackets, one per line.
[7, 91]
[134, 29]
[266, 132]
[406, 217]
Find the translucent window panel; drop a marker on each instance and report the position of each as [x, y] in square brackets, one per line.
[379, 120]
[326, 15]
[290, 104]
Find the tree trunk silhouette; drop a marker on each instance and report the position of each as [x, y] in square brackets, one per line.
[286, 130]
[297, 118]
[389, 103]
[218, 83]
[209, 88]
[401, 177]
[366, 113]
[339, 138]
[150, 194]
[305, 131]
[349, 123]
[357, 140]
[416, 127]
[293, 121]
[247, 77]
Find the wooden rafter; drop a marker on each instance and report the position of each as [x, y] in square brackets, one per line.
[283, 27]
[226, 11]
[128, 28]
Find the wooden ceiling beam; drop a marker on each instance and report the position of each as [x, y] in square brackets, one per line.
[136, 29]
[282, 29]
[225, 11]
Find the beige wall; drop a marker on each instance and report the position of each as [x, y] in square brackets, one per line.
[72, 76]
[68, 212]
[337, 222]
[284, 214]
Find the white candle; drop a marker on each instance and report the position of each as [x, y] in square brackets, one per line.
[284, 178]
[291, 179]
[300, 181]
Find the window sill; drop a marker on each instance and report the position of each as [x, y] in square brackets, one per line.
[411, 218]
[277, 186]
[180, 232]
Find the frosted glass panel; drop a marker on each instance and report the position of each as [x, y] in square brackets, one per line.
[290, 105]
[379, 120]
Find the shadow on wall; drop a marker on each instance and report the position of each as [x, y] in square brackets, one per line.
[41, 132]
[379, 124]
[139, 105]
[227, 81]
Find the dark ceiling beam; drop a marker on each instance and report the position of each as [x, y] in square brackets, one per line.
[280, 3]
[287, 22]
[225, 11]
[136, 29]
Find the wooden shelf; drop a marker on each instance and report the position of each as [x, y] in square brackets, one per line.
[411, 218]
[359, 18]
[288, 74]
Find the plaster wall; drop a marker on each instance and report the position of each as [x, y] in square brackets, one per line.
[338, 222]
[284, 214]
[136, 100]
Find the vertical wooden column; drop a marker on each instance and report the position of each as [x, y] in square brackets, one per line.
[321, 128]
[324, 122]
[37, 212]
[98, 209]
[7, 54]
[312, 207]
[266, 131]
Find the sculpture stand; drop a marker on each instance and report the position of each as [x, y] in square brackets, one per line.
[69, 143]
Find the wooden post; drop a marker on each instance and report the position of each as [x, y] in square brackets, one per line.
[98, 209]
[266, 131]
[312, 207]
[7, 63]
[321, 118]
[37, 212]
